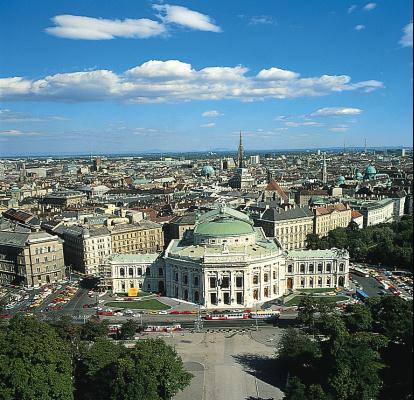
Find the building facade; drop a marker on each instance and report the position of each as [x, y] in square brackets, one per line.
[290, 226]
[310, 269]
[32, 259]
[142, 237]
[330, 217]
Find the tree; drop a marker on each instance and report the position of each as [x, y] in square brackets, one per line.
[70, 333]
[151, 370]
[128, 329]
[94, 329]
[94, 374]
[313, 241]
[358, 318]
[35, 362]
[306, 310]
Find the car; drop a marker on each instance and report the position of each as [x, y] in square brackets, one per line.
[174, 312]
[163, 312]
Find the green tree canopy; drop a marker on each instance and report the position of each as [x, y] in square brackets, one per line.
[35, 362]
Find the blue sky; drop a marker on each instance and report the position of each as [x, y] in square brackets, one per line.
[114, 76]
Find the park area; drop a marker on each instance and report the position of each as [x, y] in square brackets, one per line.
[151, 304]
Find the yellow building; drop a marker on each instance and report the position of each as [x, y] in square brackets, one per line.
[143, 237]
[330, 217]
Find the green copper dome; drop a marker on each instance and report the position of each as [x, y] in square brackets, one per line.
[207, 170]
[224, 227]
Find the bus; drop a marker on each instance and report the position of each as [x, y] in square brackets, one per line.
[361, 294]
[359, 271]
[264, 314]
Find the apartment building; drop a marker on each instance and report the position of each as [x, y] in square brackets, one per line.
[330, 217]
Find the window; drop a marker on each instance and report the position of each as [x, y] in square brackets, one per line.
[239, 298]
[225, 282]
[176, 276]
[255, 294]
[239, 281]
[139, 271]
[311, 269]
[266, 277]
[131, 271]
[311, 282]
[226, 298]
[320, 267]
[319, 281]
[160, 272]
[213, 298]
[341, 267]
[290, 269]
[147, 271]
[213, 284]
[255, 279]
[328, 267]
[122, 272]
[328, 282]
[302, 268]
[196, 281]
[131, 284]
[185, 279]
[274, 289]
[302, 282]
[266, 292]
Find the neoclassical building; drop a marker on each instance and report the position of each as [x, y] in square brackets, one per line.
[227, 262]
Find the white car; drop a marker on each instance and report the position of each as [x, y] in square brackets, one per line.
[162, 312]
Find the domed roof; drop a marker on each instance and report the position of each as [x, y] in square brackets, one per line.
[224, 227]
[370, 170]
[340, 179]
[358, 175]
[207, 170]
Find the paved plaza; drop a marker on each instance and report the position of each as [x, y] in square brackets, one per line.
[229, 365]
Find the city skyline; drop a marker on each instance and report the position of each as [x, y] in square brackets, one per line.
[187, 76]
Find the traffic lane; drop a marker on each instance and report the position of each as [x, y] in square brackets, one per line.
[369, 285]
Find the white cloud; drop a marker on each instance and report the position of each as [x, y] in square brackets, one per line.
[407, 38]
[275, 74]
[359, 27]
[211, 114]
[370, 6]
[339, 128]
[186, 17]
[17, 133]
[336, 111]
[87, 28]
[352, 8]
[168, 70]
[7, 115]
[172, 80]
[209, 125]
[293, 124]
[261, 20]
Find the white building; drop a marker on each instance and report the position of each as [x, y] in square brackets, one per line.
[226, 262]
[121, 272]
[375, 211]
[310, 269]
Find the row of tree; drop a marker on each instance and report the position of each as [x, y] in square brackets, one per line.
[64, 361]
[387, 244]
[363, 354]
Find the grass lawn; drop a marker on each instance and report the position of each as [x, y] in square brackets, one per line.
[140, 294]
[329, 299]
[317, 290]
[139, 305]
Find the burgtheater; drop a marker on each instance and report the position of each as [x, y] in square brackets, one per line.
[226, 262]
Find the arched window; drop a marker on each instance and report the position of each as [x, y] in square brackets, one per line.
[302, 282]
[160, 272]
[320, 267]
[311, 268]
[266, 277]
[341, 267]
[131, 284]
[311, 282]
[290, 269]
[122, 271]
[139, 271]
[328, 267]
[302, 268]
[196, 281]
[131, 271]
[255, 279]
[328, 281]
[196, 297]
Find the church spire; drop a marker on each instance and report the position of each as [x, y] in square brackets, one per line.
[241, 153]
